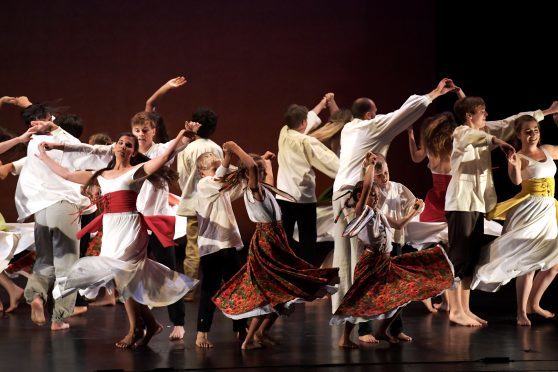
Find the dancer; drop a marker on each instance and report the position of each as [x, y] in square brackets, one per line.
[528, 242]
[139, 280]
[274, 278]
[218, 240]
[384, 284]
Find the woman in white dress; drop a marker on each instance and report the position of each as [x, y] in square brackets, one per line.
[139, 280]
[528, 242]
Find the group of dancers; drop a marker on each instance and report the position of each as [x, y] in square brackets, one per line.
[390, 248]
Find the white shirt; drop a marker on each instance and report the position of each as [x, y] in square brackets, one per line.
[471, 188]
[188, 176]
[217, 227]
[395, 202]
[360, 136]
[38, 187]
[264, 211]
[298, 154]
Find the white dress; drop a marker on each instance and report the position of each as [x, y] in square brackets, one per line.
[528, 240]
[14, 238]
[123, 258]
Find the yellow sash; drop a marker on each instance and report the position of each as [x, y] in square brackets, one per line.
[532, 187]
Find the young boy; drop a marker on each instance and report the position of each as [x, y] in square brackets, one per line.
[218, 239]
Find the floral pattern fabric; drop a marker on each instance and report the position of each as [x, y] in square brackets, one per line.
[272, 276]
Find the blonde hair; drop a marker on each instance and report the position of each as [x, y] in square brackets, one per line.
[100, 139]
[206, 160]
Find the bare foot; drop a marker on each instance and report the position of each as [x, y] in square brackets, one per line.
[15, 300]
[59, 325]
[251, 345]
[386, 337]
[109, 299]
[523, 320]
[130, 339]
[203, 342]
[150, 331]
[542, 312]
[442, 306]
[241, 336]
[404, 337]
[38, 311]
[347, 343]
[79, 310]
[428, 304]
[463, 320]
[177, 333]
[475, 317]
[265, 339]
[368, 339]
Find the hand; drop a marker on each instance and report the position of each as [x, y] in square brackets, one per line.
[229, 146]
[43, 127]
[191, 128]
[445, 85]
[25, 137]
[42, 151]
[7, 99]
[268, 156]
[514, 160]
[411, 132]
[176, 82]
[22, 101]
[553, 109]
[508, 149]
[369, 159]
[419, 204]
[329, 97]
[52, 146]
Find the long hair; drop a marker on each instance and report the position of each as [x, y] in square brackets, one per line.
[158, 179]
[436, 134]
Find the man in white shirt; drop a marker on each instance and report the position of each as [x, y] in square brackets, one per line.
[298, 155]
[55, 204]
[188, 179]
[367, 132]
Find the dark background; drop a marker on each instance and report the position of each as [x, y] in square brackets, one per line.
[249, 60]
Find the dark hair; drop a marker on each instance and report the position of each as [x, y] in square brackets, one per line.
[518, 125]
[208, 121]
[70, 123]
[466, 105]
[295, 115]
[37, 111]
[161, 135]
[158, 179]
[100, 139]
[361, 106]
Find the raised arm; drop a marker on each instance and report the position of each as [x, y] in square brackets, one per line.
[514, 169]
[331, 104]
[251, 167]
[267, 158]
[158, 162]
[400, 223]
[81, 177]
[417, 154]
[174, 83]
[444, 86]
[368, 179]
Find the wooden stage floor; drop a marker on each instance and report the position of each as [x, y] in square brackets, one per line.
[307, 343]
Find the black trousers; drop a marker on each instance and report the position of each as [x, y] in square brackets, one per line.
[466, 237]
[216, 269]
[166, 257]
[304, 215]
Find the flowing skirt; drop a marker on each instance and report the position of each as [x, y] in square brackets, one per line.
[528, 243]
[383, 284]
[273, 278]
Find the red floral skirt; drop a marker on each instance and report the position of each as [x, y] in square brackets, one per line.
[272, 276]
[435, 200]
[383, 283]
[94, 247]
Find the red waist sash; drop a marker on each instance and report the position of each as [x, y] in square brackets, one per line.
[125, 201]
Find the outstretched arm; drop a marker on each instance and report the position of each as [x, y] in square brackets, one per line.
[444, 86]
[81, 177]
[174, 83]
[23, 138]
[21, 101]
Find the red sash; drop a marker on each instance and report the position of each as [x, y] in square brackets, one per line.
[125, 201]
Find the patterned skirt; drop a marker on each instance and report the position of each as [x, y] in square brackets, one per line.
[272, 278]
[383, 284]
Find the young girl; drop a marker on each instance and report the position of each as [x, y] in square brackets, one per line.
[139, 280]
[384, 284]
[274, 278]
[528, 242]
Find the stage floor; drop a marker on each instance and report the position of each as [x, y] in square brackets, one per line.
[307, 342]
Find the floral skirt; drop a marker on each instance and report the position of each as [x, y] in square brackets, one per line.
[383, 284]
[272, 277]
